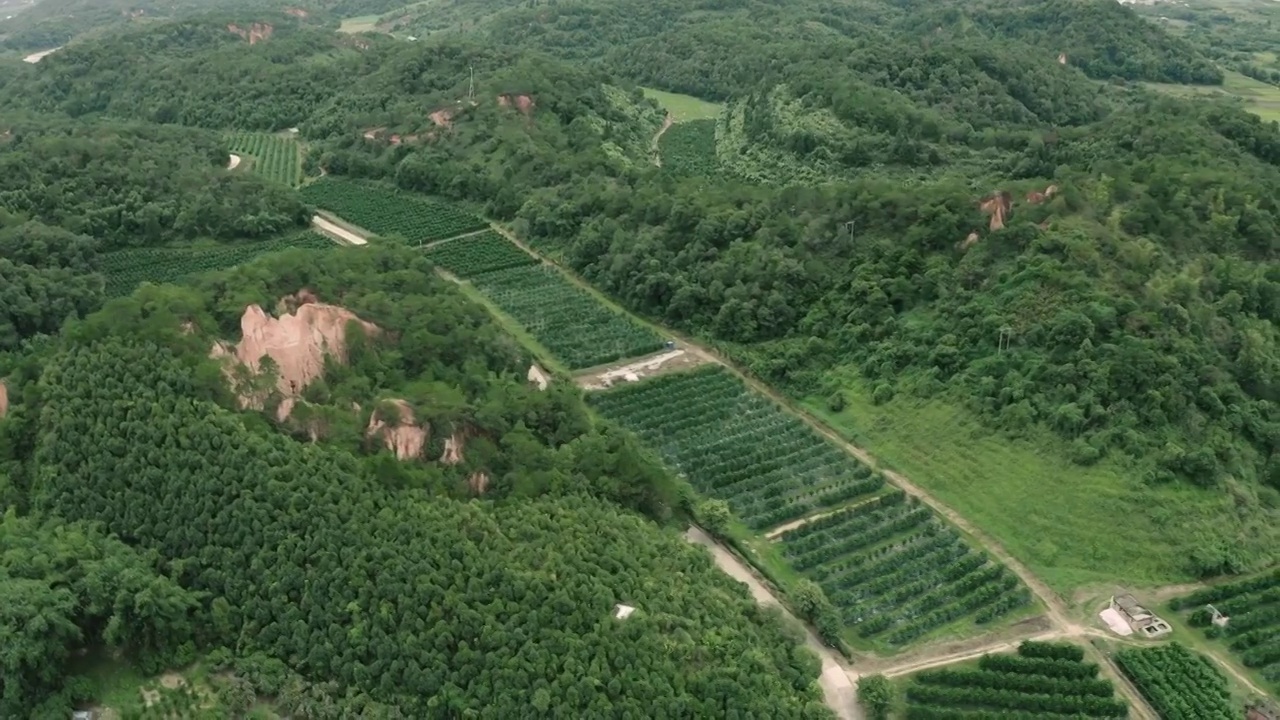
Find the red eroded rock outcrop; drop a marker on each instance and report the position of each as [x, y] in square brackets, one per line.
[404, 438]
[256, 32]
[997, 206]
[297, 343]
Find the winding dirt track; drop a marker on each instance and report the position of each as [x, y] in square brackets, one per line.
[667, 122]
[837, 680]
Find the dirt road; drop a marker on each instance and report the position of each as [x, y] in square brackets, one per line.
[837, 680]
[667, 122]
[336, 231]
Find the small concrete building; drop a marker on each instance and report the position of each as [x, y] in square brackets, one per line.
[1142, 620]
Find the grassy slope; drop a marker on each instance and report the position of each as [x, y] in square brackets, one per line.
[684, 107]
[1259, 98]
[1071, 525]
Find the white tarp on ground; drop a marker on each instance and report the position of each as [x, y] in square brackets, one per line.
[1116, 622]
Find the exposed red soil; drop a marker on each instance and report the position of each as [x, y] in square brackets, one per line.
[524, 103]
[256, 33]
[442, 118]
[1035, 198]
[297, 343]
[453, 447]
[4, 399]
[478, 482]
[997, 205]
[297, 12]
[969, 241]
[405, 438]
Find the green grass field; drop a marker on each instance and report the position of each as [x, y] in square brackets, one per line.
[684, 107]
[1259, 98]
[362, 23]
[1072, 525]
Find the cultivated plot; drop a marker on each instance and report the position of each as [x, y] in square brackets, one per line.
[891, 567]
[567, 320]
[1179, 684]
[689, 149]
[1043, 680]
[736, 445]
[1246, 616]
[483, 252]
[896, 572]
[273, 157]
[126, 269]
[385, 210]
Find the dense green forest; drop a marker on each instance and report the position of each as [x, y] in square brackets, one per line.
[276, 542]
[984, 204]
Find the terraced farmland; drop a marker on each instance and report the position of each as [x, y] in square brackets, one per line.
[564, 318]
[273, 157]
[1044, 680]
[1253, 630]
[126, 269]
[385, 210]
[487, 251]
[1179, 684]
[689, 148]
[888, 564]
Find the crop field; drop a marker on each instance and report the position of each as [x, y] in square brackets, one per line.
[469, 256]
[1253, 630]
[1179, 684]
[385, 210]
[738, 446]
[689, 149]
[1043, 680]
[896, 572]
[126, 269]
[567, 320]
[886, 562]
[274, 157]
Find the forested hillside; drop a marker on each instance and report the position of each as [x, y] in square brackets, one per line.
[281, 540]
[983, 207]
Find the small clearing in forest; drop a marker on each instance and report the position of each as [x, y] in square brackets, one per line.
[630, 370]
[683, 108]
[34, 58]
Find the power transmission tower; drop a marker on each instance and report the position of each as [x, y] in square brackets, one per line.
[471, 88]
[1006, 337]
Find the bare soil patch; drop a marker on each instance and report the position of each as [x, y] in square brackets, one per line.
[537, 376]
[172, 681]
[34, 58]
[632, 370]
[255, 33]
[336, 231]
[4, 399]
